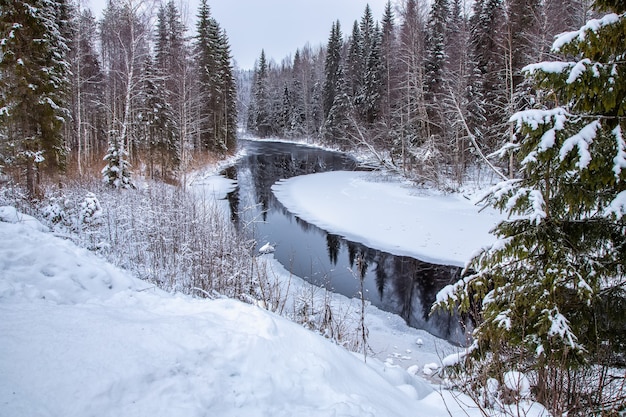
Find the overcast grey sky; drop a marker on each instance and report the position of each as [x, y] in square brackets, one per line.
[278, 26]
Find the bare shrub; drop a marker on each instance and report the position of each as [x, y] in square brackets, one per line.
[184, 242]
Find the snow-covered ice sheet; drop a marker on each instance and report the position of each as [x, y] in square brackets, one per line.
[389, 216]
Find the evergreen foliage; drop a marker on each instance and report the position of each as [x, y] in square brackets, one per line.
[546, 285]
[259, 120]
[159, 123]
[436, 46]
[34, 85]
[216, 85]
[388, 66]
[367, 98]
[117, 172]
[333, 68]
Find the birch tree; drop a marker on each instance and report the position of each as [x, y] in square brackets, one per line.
[125, 34]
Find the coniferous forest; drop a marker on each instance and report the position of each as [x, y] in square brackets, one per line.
[428, 88]
[534, 90]
[132, 88]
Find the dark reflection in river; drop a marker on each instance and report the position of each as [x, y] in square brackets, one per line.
[398, 284]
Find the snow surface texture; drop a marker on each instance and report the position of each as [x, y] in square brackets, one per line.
[80, 338]
[385, 215]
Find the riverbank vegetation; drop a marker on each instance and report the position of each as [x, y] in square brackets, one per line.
[182, 240]
[131, 88]
[432, 90]
[448, 88]
[428, 89]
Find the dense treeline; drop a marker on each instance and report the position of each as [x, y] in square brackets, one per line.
[131, 87]
[541, 83]
[426, 88]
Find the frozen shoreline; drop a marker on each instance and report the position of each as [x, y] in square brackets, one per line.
[388, 215]
[76, 324]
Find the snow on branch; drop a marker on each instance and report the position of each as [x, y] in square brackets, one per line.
[549, 67]
[620, 159]
[592, 26]
[503, 319]
[506, 148]
[538, 213]
[581, 140]
[560, 327]
[617, 206]
[501, 189]
[535, 118]
[578, 70]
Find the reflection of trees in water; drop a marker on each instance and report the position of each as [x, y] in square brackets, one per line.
[334, 244]
[404, 285]
[359, 258]
[233, 197]
[280, 161]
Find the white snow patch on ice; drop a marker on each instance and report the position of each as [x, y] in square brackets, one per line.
[389, 216]
[215, 186]
[267, 248]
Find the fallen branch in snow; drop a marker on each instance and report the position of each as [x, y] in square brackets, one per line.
[472, 138]
[208, 295]
[360, 139]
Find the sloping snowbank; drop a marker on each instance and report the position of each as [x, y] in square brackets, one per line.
[80, 337]
[389, 216]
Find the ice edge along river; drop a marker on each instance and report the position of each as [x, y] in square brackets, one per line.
[388, 215]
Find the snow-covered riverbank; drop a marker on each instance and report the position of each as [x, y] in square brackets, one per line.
[81, 337]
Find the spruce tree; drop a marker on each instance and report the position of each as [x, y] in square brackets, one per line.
[227, 108]
[34, 86]
[487, 81]
[372, 79]
[216, 85]
[297, 120]
[436, 48]
[259, 117]
[355, 62]
[553, 287]
[332, 68]
[389, 68]
[116, 172]
[367, 97]
[161, 131]
[339, 124]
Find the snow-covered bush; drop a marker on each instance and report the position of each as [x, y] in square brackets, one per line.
[71, 210]
[90, 210]
[56, 211]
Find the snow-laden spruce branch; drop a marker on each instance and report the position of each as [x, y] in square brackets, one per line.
[594, 25]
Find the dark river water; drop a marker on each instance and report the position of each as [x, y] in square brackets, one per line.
[398, 284]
